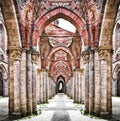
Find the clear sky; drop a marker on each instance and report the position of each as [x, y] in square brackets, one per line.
[66, 25]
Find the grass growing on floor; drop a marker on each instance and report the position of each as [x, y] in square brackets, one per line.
[81, 108]
[92, 116]
[42, 106]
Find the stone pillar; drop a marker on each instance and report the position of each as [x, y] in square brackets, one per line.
[41, 86]
[97, 83]
[105, 56]
[72, 87]
[82, 85]
[50, 93]
[38, 86]
[75, 86]
[34, 98]
[14, 58]
[79, 86]
[5, 87]
[29, 82]
[47, 89]
[45, 84]
[91, 82]
[23, 91]
[86, 79]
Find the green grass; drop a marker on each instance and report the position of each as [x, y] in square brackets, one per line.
[81, 108]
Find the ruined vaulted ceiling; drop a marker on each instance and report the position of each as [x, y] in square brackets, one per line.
[35, 20]
[37, 14]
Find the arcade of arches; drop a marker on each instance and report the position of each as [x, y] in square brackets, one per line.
[39, 59]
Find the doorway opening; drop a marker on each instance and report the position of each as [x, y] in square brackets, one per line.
[60, 84]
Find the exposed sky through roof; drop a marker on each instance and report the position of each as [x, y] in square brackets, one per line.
[66, 25]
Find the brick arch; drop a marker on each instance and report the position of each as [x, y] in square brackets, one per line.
[11, 22]
[4, 70]
[115, 37]
[116, 68]
[64, 13]
[55, 70]
[108, 23]
[57, 49]
[4, 40]
[3, 76]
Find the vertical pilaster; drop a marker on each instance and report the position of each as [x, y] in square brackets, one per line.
[50, 93]
[72, 87]
[97, 83]
[79, 87]
[82, 85]
[91, 82]
[29, 82]
[75, 87]
[86, 79]
[23, 93]
[47, 96]
[106, 81]
[38, 86]
[34, 98]
[14, 56]
[41, 86]
[44, 86]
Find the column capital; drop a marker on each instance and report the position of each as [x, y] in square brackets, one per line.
[82, 70]
[85, 55]
[105, 53]
[35, 56]
[14, 53]
[38, 71]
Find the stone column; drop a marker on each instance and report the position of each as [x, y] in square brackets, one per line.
[38, 86]
[45, 84]
[91, 82]
[75, 93]
[86, 79]
[97, 83]
[23, 91]
[14, 58]
[72, 87]
[50, 93]
[41, 86]
[105, 56]
[47, 96]
[82, 85]
[79, 87]
[29, 82]
[34, 63]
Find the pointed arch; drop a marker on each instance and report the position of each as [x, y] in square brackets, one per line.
[57, 49]
[60, 12]
[109, 17]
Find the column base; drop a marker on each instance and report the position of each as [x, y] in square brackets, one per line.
[15, 115]
[35, 112]
[105, 115]
[86, 112]
[39, 111]
[97, 114]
